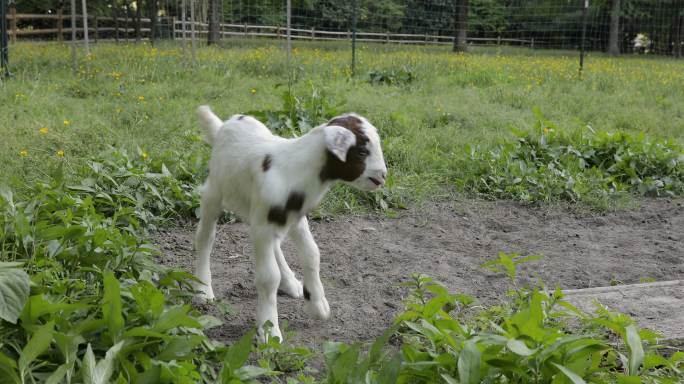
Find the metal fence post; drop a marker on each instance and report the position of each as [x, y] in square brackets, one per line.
[353, 63]
[289, 32]
[584, 33]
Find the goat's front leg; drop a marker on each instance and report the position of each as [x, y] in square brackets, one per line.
[288, 282]
[267, 280]
[316, 304]
[210, 209]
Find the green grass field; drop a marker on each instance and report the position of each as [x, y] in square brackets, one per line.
[138, 96]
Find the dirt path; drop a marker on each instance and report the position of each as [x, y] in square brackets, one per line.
[364, 257]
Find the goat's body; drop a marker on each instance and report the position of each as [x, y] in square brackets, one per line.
[246, 187]
[272, 183]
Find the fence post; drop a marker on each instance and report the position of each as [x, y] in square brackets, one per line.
[74, 64]
[498, 40]
[532, 43]
[353, 63]
[97, 31]
[13, 23]
[584, 33]
[387, 37]
[4, 49]
[289, 32]
[245, 29]
[313, 33]
[60, 24]
[84, 9]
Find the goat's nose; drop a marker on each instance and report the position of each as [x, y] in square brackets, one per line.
[384, 175]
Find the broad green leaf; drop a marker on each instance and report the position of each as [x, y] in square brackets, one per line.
[14, 291]
[111, 305]
[39, 343]
[469, 363]
[179, 348]
[636, 350]
[389, 372]
[519, 348]
[100, 372]
[8, 369]
[623, 379]
[575, 378]
[376, 349]
[342, 367]
[448, 379]
[249, 372]
[57, 376]
[238, 353]
[174, 317]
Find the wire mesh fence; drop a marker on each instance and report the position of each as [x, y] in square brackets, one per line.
[620, 26]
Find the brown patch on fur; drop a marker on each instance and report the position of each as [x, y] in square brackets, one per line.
[336, 169]
[278, 214]
[266, 164]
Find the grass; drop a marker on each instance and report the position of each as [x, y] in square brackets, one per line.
[138, 96]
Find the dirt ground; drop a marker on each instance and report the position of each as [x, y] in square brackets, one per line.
[363, 258]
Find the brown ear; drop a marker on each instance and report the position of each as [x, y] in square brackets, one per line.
[338, 140]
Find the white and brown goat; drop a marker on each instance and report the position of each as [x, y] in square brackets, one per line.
[271, 183]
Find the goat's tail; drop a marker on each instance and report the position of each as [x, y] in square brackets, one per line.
[210, 122]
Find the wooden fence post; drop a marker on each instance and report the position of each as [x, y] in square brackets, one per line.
[13, 23]
[387, 38]
[97, 31]
[60, 24]
[313, 33]
[532, 43]
[245, 30]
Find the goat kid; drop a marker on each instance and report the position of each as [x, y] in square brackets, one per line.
[271, 183]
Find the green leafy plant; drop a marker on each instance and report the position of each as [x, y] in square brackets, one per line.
[402, 76]
[587, 166]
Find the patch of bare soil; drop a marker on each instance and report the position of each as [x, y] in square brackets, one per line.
[363, 258]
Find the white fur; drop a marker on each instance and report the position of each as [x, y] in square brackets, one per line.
[237, 182]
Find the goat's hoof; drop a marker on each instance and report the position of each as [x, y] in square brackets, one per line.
[318, 309]
[292, 288]
[206, 294]
[273, 332]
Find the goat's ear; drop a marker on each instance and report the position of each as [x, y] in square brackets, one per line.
[338, 140]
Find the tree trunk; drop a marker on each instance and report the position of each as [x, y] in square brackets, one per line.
[461, 23]
[214, 26]
[614, 38]
[138, 15]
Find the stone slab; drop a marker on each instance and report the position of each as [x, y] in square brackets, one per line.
[657, 306]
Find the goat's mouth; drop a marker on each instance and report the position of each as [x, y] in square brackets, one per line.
[375, 181]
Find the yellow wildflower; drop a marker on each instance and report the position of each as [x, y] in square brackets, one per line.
[253, 90]
[43, 130]
[23, 153]
[66, 122]
[145, 155]
[60, 153]
[141, 98]
[546, 130]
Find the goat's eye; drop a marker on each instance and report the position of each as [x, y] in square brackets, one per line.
[364, 151]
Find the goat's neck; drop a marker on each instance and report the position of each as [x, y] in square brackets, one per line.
[306, 156]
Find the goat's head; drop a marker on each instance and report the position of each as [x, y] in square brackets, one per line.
[354, 154]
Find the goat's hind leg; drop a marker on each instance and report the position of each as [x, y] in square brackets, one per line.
[267, 279]
[288, 282]
[210, 209]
